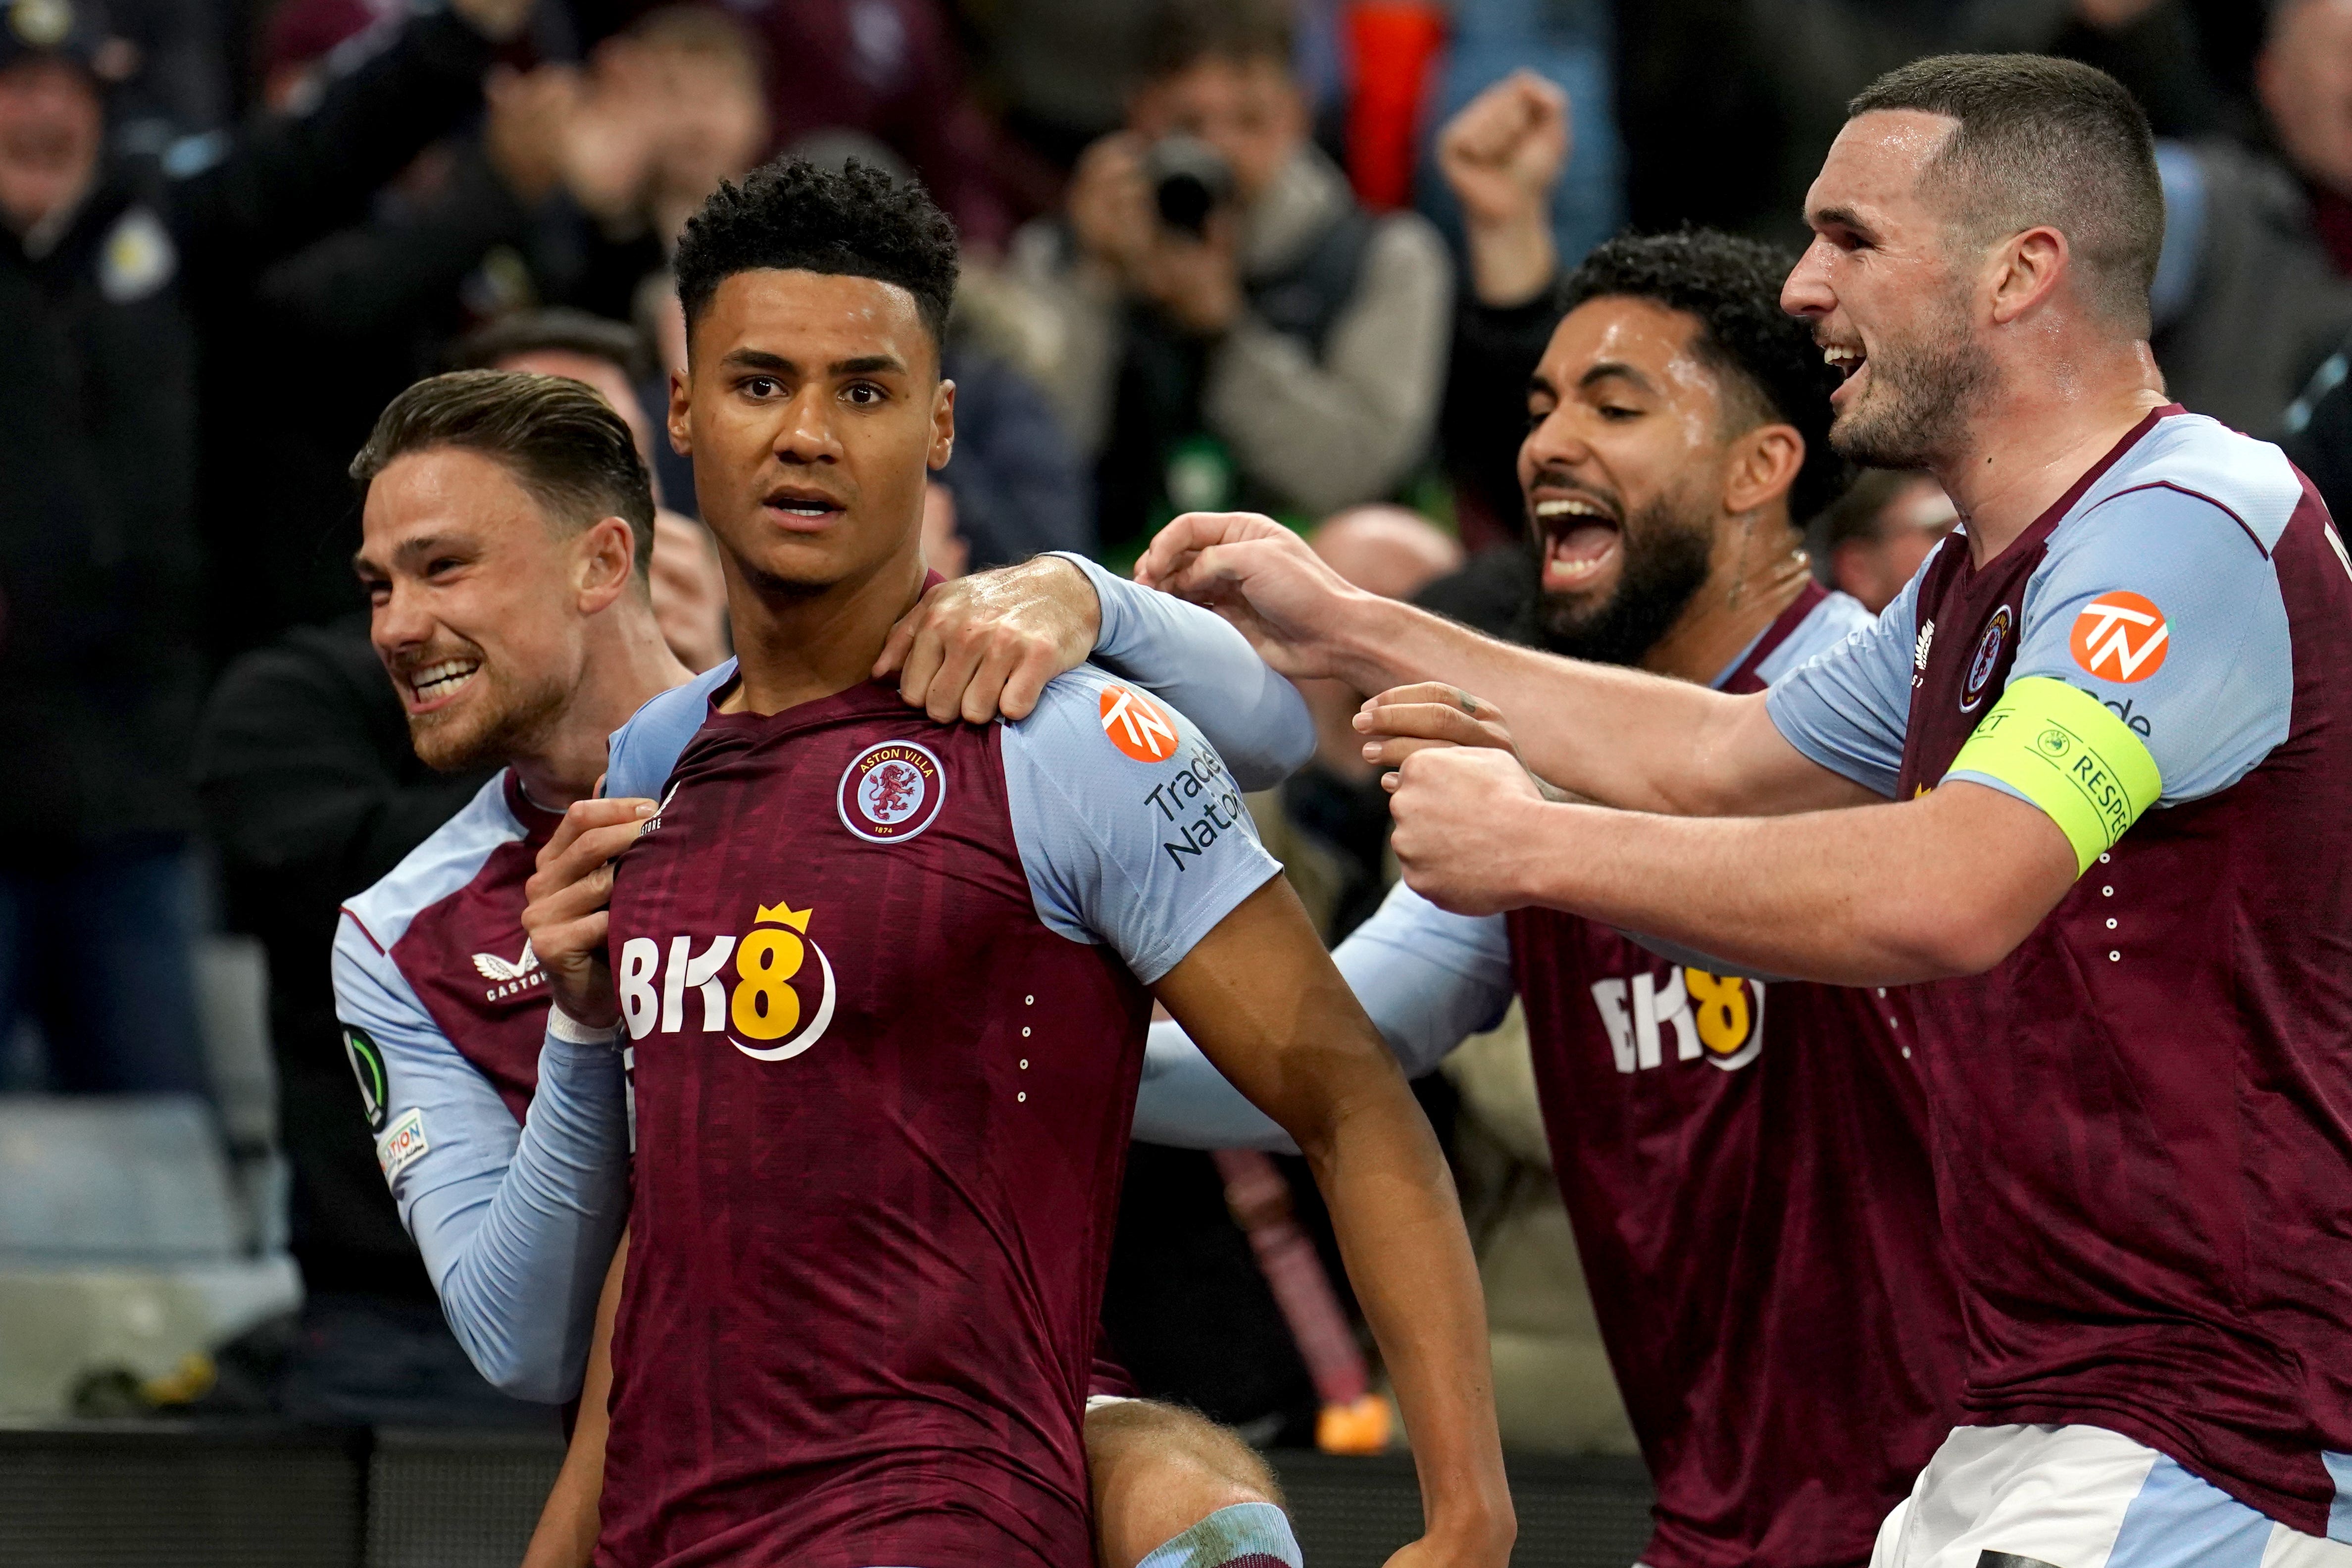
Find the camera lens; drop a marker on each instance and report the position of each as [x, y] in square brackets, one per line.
[1190, 180]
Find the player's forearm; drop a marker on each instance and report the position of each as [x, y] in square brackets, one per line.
[1879, 895]
[520, 1284]
[1399, 1230]
[1622, 737]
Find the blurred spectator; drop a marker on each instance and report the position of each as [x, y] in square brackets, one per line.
[115, 268]
[1874, 539]
[887, 68]
[1234, 328]
[1064, 68]
[1503, 155]
[2319, 426]
[2246, 303]
[377, 300]
[1569, 45]
[614, 360]
[1727, 105]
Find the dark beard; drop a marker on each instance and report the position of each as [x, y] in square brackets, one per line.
[1927, 394]
[1666, 562]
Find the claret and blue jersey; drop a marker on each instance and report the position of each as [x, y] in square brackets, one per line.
[885, 982]
[2143, 1146]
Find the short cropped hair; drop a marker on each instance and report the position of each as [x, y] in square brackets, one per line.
[1180, 33]
[562, 442]
[793, 215]
[2044, 141]
[561, 331]
[1772, 370]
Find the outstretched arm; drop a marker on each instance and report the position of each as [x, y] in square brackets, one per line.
[1618, 736]
[1262, 999]
[1884, 895]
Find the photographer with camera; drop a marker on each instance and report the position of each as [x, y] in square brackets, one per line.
[1235, 329]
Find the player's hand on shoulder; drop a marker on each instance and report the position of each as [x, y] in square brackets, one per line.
[987, 644]
[1465, 816]
[1260, 576]
[567, 915]
[1489, 1546]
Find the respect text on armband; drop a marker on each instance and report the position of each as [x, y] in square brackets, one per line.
[1198, 805]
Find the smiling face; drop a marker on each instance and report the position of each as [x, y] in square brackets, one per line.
[477, 609]
[1889, 286]
[814, 409]
[1621, 470]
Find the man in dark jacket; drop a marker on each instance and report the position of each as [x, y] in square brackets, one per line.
[110, 271]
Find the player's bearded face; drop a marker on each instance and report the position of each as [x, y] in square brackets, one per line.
[1664, 548]
[1909, 401]
[1619, 471]
[814, 412]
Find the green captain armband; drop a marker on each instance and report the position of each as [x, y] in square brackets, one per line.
[2065, 752]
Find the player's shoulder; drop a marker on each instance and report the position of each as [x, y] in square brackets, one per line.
[446, 861]
[641, 752]
[2219, 491]
[1088, 719]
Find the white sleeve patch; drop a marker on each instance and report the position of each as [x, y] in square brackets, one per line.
[403, 1143]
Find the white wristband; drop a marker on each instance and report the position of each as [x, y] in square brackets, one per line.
[563, 1027]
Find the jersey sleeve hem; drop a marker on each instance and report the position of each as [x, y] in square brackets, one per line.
[1779, 705]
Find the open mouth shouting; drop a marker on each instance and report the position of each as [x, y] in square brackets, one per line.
[1848, 360]
[1580, 533]
[802, 508]
[427, 686]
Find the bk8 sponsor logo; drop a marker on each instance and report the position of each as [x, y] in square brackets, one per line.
[1718, 1018]
[774, 1001]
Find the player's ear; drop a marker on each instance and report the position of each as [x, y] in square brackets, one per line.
[1764, 463]
[681, 440]
[604, 555]
[942, 425]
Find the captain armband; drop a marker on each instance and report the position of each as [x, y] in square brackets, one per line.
[2065, 752]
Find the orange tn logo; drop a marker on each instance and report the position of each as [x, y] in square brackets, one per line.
[2120, 637]
[1138, 726]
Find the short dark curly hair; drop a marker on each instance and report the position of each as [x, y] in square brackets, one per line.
[1733, 286]
[791, 214]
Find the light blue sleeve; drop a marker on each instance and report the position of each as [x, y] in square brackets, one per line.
[641, 752]
[1140, 842]
[1848, 707]
[1191, 659]
[1428, 980]
[517, 1227]
[2206, 679]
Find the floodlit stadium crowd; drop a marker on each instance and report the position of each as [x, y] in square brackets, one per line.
[1298, 260]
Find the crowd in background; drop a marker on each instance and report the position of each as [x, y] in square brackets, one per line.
[1220, 254]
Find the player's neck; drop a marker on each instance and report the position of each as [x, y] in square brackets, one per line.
[1759, 569]
[627, 665]
[792, 648]
[2049, 424]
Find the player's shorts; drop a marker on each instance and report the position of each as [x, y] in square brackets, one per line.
[2079, 1497]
